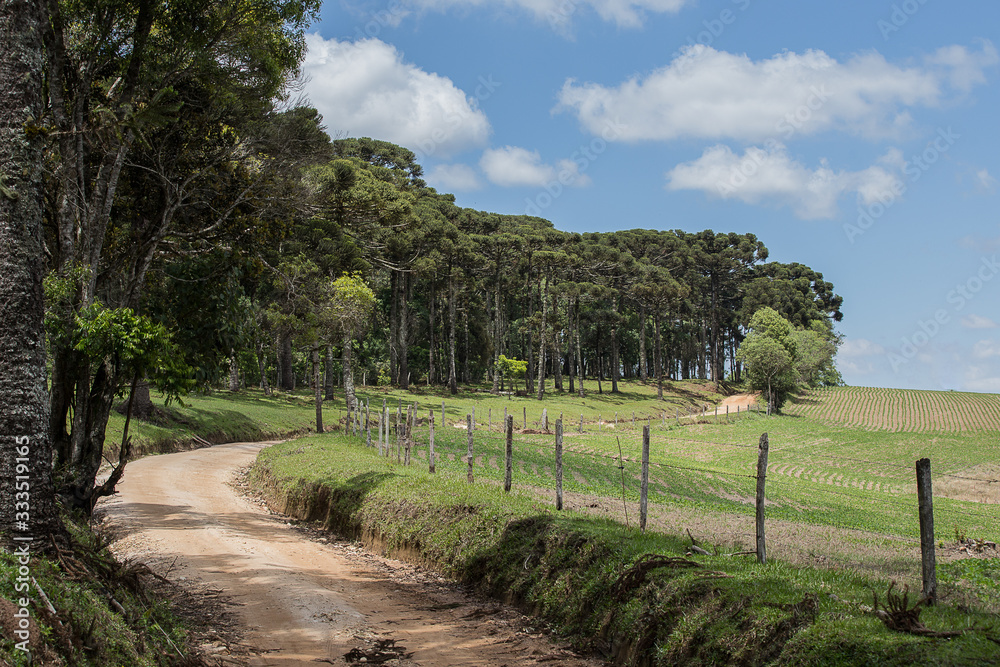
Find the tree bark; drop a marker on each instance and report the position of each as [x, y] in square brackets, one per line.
[430, 336]
[328, 373]
[349, 398]
[452, 376]
[287, 363]
[615, 364]
[317, 388]
[234, 372]
[643, 369]
[25, 445]
[404, 333]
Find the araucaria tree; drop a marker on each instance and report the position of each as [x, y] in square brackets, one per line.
[27, 501]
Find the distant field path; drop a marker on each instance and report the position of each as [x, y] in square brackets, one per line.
[899, 410]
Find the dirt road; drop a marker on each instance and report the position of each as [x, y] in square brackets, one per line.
[301, 597]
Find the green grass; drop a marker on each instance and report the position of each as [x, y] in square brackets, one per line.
[564, 566]
[216, 418]
[88, 628]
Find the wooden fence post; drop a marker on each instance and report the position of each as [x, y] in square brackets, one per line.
[489, 422]
[408, 439]
[468, 427]
[430, 444]
[761, 477]
[559, 464]
[581, 422]
[545, 419]
[525, 417]
[644, 488]
[925, 502]
[399, 432]
[380, 425]
[509, 469]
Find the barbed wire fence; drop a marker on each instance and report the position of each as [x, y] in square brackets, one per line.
[536, 455]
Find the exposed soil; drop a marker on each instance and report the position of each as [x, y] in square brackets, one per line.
[270, 592]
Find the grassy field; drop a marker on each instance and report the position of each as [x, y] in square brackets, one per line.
[839, 494]
[631, 595]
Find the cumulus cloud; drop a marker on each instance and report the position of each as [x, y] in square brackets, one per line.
[978, 322]
[513, 166]
[986, 349]
[770, 175]
[365, 88]
[710, 94]
[560, 13]
[453, 178]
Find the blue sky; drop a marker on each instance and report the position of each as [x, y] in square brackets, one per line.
[859, 138]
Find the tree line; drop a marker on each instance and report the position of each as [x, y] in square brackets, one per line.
[197, 227]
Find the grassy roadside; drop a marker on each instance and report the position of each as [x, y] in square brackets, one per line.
[104, 614]
[592, 579]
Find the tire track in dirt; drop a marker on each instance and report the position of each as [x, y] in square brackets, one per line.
[301, 598]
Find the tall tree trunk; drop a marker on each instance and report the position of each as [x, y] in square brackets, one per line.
[615, 364]
[497, 336]
[317, 388]
[349, 397]
[25, 444]
[287, 363]
[541, 344]
[234, 372]
[394, 327]
[452, 375]
[579, 350]
[643, 370]
[430, 336]
[658, 356]
[262, 365]
[571, 349]
[328, 382]
[557, 356]
[466, 374]
[404, 332]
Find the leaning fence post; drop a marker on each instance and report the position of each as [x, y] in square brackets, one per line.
[644, 488]
[559, 464]
[761, 476]
[468, 427]
[926, 511]
[430, 443]
[509, 470]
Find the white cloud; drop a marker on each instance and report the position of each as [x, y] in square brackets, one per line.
[772, 176]
[453, 178]
[365, 88]
[712, 94]
[560, 13]
[985, 181]
[860, 347]
[986, 349]
[978, 322]
[514, 166]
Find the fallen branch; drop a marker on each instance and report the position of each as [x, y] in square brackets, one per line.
[633, 577]
[899, 616]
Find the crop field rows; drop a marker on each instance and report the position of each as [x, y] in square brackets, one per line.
[899, 410]
[835, 478]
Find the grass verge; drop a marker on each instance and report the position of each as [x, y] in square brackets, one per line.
[636, 598]
[101, 613]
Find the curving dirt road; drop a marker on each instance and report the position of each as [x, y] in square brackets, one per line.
[300, 597]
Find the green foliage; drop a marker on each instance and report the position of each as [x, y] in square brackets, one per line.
[135, 344]
[511, 368]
